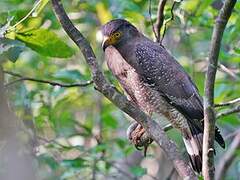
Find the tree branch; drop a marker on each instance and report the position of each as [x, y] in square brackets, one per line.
[234, 101]
[120, 100]
[209, 116]
[228, 158]
[150, 15]
[228, 71]
[169, 20]
[160, 19]
[228, 112]
[23, 78]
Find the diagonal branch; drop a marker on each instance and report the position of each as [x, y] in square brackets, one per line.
[228, 112]
[52, 83]
[150, 14]
[228, 71]
[234, 101]
[169, 20]
[120, 100]
[209, 116]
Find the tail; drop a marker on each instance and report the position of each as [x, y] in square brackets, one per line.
[193, 143]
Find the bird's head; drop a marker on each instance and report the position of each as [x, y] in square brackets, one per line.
[116, 32]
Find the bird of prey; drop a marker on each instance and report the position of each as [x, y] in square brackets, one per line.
[156, 83]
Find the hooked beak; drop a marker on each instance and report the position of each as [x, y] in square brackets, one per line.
[105, 42]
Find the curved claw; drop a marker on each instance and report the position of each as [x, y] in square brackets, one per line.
[138, 147]
[145, 150]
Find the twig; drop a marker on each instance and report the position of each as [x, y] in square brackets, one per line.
[234, 101]
[130, 176]
[228, 158]
[169, 20]
[25, 17]
[160, 19]
[150, 15]
[228, 112]
[102, 85]
[53, 141]
[232, 134]
[227, 71]
[209, 116]
[22, 78]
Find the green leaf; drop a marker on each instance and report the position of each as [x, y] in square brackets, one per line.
[10, 49]
[75, 163]
[46, 159]
[138, 171]
[108, 120]
[237, 50]
[45, 42]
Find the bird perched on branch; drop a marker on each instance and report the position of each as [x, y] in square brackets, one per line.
[156, 83]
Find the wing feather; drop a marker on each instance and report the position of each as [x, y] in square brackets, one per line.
[166, 75]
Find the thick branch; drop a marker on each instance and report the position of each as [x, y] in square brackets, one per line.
[228, 158]
[209, 116]
[52, 83]
[118, 99]
[160, 19]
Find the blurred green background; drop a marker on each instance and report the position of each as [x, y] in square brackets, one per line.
[76, 133]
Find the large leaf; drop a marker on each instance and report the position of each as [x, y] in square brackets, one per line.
[45, 42]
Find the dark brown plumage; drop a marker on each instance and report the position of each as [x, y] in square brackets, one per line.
[156, 82]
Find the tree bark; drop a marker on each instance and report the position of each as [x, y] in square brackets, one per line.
[209, 114]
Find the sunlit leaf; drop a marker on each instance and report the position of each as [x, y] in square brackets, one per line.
[46, 43]
[103, 13]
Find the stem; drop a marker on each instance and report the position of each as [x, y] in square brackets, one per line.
[22, 78]
[25, 17]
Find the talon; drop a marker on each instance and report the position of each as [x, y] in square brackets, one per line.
[139, 138]
[145, 150]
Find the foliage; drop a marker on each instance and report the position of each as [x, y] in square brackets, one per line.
[80, 133]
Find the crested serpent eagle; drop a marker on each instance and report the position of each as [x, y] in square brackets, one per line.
[156, 83]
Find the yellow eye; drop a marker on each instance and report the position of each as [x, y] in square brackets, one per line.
[117, 34]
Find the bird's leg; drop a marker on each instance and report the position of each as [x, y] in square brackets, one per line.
[138, 136]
